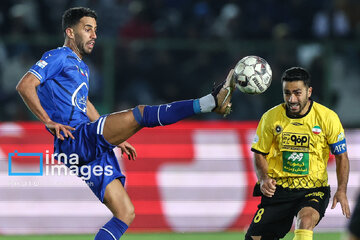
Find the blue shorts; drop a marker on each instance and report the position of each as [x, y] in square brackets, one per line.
[94, 160]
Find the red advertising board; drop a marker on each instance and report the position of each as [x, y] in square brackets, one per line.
[188, 177]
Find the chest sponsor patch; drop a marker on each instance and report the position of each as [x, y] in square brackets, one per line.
[296, 162]
[295, 141]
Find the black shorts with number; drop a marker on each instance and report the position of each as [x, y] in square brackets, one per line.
[354, 226]
[275, 215]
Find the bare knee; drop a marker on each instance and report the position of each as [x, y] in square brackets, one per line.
[306, 223]
[118, 202]
[127, 215]
[130, 214]
[307, 218]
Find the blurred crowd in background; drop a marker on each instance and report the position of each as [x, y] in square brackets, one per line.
[157, 51]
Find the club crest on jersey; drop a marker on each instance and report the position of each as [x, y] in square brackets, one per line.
[79, 97]
[316, 130]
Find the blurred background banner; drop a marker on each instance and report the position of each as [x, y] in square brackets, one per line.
[194, 176]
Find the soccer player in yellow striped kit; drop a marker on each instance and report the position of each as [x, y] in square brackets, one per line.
[291, 147]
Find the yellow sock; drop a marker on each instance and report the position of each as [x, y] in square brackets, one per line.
[303, 234]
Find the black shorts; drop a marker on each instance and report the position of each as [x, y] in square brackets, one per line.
[275, 215]
[354, 226]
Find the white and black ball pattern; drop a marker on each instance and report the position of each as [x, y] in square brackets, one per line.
[253, 75]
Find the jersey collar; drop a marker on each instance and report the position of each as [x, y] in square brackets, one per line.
[77, 57]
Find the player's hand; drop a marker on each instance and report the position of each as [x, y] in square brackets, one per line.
[57, 128]
[128, 149]
[268, 187]
[340, 196]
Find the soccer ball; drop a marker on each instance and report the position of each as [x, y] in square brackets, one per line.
[252, 75]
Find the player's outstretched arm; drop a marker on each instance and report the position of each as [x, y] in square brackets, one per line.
[267, 184]
[342, 173]
[27, 90]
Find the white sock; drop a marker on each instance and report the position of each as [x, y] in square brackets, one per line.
[207, 103]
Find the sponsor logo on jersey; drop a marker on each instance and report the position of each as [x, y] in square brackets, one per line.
[41, 63]
[316, 130]
[296, 162]
[295, 141]
[278, 129]
[296, 156]
[296, 124]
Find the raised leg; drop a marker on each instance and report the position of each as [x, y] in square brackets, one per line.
[120, 126]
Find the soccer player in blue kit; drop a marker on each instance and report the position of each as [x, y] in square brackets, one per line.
[55, 89]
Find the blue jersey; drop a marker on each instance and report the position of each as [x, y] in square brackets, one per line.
[63, 92]
[64, 85]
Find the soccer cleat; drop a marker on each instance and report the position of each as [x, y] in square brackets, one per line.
[222, 94]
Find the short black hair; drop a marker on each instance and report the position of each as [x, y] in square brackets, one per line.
[297, 74]
[72, 16]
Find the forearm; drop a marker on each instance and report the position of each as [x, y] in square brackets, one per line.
[92, 113]
[342, 171]
[261, 166]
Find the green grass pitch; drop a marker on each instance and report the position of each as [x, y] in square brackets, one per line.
[168, 236]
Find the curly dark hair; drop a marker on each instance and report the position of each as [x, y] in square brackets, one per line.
[72, 16]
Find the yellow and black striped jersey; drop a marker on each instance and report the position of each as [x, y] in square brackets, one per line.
[297, 149]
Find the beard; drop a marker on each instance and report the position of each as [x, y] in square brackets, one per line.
[295, 109]
[81, 46]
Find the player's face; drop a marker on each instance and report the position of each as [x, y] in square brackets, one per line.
[85, 35]
[296, 97]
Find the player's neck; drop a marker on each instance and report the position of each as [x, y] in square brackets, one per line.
[306, 108]
[71, 44]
